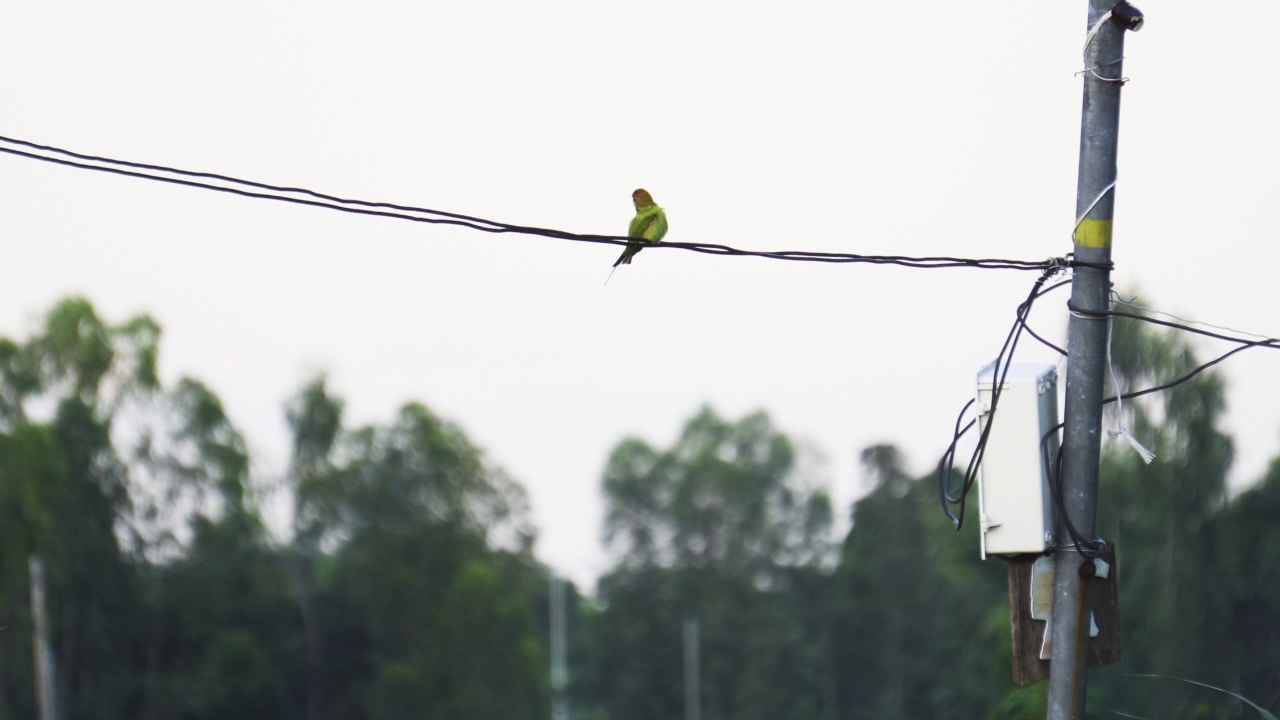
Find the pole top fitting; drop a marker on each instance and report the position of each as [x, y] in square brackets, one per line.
[1129, 17]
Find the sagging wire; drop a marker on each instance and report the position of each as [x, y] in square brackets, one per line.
[266, 191]
[1262, 341]
[1117, 299]
[1199, 369]
[1267, 342]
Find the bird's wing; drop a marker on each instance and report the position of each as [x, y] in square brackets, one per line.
[638, 223]
[658, 228]
[650, 224]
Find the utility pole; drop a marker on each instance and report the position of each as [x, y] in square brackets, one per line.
[1086, 350]
[43, 656]
[692, 691]
[559, 664]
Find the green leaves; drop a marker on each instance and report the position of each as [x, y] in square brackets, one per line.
[419, 471]
[409, 587]
[727, 494]
[723, 526]
[218, 450]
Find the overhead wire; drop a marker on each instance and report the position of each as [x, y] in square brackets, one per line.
[266, 191]
[1116, 299]
[1272, 343]
[1048, 268]
[1261, 341]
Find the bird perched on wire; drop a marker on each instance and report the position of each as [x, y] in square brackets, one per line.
[649, 225]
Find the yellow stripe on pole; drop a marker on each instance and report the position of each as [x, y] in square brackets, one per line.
[1094, 233]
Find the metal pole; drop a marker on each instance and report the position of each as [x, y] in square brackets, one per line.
[559, 664]
[43, 656]
[1086, 353]
[692, 693]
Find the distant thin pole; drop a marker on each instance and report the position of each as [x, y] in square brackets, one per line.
[692, 693]
[559, 661]
[40, 648]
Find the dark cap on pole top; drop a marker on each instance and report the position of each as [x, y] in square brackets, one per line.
[1127, 15]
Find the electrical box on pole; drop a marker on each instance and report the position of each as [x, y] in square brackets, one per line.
[1014, 502]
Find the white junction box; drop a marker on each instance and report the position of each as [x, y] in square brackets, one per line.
[1014, 502]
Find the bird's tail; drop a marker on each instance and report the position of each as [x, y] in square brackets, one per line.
[625, 258]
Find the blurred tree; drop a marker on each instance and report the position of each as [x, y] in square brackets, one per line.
[64, 473]
[422, 569]
[409, 586]
[727, 494]
[74, 496]
[1248, 555]
[225, 637]
[315, 419]
[236, 650]
[717, 528]
[420, 471]
[921, 624]
[1163, 517]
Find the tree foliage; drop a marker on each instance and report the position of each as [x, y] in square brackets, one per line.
[716, 530]
[406, 586]
[726, 495]
[170, 599]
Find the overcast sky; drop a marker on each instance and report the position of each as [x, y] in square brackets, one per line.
[879, 128]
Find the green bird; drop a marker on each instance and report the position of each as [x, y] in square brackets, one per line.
[649, 224]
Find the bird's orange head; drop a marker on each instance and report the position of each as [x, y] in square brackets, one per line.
[641, 198]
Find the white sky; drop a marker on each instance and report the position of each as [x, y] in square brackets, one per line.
[878, 128]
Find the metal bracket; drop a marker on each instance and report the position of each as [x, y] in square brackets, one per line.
[1042, 601]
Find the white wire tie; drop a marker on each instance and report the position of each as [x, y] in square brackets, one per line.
[1088, 41]
[1146, 455]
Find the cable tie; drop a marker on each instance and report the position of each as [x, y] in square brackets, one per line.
[1084, 314]
[1086, 548]
[1122, 431]
[1055, 265]
[1107, 266]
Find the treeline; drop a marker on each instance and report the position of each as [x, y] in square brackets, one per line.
[408, 586]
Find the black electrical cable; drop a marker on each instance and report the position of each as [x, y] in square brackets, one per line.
[948, 459]
[1193, 373]
[1245, 344]
[1036, 335]
[1094, 548]
[1053, 471]
[1087, 548]
[228, 178]
[196, 179]
[1044, 342]
[999, 373]
[1272, 343]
